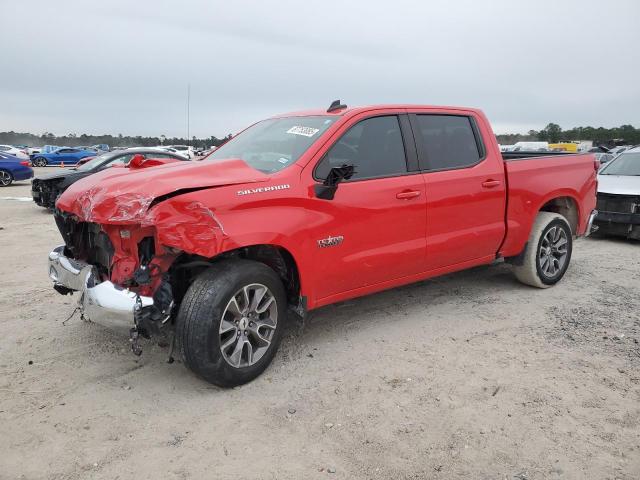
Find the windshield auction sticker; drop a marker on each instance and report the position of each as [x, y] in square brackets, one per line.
[304, 131]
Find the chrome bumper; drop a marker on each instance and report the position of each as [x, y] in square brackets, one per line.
[590, 228]
[102, 303]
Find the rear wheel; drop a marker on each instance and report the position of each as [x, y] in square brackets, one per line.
[39, 162]
[230, 322]
[548, 251]
[6, 178]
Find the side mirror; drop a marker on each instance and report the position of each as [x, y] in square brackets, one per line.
[336, 175]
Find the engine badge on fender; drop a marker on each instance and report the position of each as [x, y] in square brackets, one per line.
[263, 189]
[330, 241]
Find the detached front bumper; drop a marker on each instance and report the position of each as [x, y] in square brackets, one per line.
[101, 302]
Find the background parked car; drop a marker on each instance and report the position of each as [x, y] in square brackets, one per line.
[183, 150]
[619, 196]
[16, 152]
[604, 158]
[33, 150]
[13, 169]
[50, 148]
[45, 189]
[67, 156]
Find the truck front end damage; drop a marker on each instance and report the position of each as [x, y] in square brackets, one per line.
[123, 241]
[120, 271]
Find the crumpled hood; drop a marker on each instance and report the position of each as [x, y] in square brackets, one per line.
[119, 195]
[619, 184]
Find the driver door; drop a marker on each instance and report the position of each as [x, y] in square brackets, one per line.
[374, 228]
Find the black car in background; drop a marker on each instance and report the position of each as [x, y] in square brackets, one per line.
[46, 189]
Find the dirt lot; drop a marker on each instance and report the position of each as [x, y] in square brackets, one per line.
[467, 376]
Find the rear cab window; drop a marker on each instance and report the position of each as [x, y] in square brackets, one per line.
[446, 142]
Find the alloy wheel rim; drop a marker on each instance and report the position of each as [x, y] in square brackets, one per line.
[5, 178]
[248, 324]
[552, 255]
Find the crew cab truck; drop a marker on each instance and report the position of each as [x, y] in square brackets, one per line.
[304, 210]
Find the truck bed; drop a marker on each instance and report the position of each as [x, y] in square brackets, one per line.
[534, 180]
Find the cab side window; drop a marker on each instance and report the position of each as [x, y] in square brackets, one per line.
[446, 142]
[373, 146]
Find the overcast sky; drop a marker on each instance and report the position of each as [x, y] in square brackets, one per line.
[119, 66]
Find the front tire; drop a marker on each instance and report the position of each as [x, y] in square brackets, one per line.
[39, 162]
[6, 178]
[230, 322]
[548, 251]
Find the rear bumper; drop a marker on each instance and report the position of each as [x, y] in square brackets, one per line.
[103, 303]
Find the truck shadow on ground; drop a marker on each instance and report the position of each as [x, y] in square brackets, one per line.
[476, 286]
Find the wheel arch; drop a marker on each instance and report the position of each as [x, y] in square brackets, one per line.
[276, 257]
[563, 202]
[567, 206]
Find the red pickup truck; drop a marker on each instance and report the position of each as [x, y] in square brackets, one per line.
[304, 210]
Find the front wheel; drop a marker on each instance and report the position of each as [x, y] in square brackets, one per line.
[39, 162]
[548, 251]
[230, 322]
[6, 178]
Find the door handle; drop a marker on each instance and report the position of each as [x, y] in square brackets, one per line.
[408, 194]
[491, 183]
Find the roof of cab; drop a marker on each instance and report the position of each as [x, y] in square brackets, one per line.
[355, 110]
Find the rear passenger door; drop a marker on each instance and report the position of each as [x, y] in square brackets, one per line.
[373, 230]
[465, 188]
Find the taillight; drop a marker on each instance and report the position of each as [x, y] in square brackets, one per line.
[25, 163]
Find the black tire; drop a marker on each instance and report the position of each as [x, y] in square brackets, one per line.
[199, 319]
[532, 271]
[6, 178]
[39, 162]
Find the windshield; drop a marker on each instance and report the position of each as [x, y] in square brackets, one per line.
[93, 163]
[624, 164]
[271, 145]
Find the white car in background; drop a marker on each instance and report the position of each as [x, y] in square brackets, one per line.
[172, 150]
[619, 196]
[530, 147]
[183, 150]
[16, 152]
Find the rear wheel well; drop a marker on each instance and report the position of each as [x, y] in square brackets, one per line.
[565, 206]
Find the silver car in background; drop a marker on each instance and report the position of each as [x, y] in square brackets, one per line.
[619, 196]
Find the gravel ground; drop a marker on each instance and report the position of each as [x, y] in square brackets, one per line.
[470, 375]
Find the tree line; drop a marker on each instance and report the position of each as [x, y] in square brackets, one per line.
[553, 133]
[73, 140]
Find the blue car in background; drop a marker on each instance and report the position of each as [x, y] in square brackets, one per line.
[13, 169]
[64, 155]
